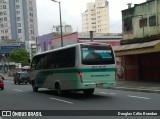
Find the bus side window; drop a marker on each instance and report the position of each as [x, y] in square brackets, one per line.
[45, 62]
[34, 63]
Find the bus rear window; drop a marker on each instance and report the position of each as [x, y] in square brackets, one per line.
[97, 55]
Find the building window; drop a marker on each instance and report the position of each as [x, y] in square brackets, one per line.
[18, 18]
[5, 18]
[2, 37]
[18, 12]
[5, 12]
[127, 24]
[44, 45]
[32, 31]
[152, 21]
[17, 1]
[143, 22]
[19, 24]
[4, 7]
[31, 14]
[19, 31]
[93, 18]
[30, 2]
[2, 31]
[1, 19]
[6, 30]
[17, 6]
[1, 26]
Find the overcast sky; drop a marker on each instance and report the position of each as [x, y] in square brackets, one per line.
[48, 13]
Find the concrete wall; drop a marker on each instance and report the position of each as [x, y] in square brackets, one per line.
[44, 42]
[139, 11]
[67, 40]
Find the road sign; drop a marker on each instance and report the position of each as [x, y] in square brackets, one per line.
[7, 49]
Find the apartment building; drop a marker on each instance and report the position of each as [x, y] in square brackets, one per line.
[96, 17]
[18, 20]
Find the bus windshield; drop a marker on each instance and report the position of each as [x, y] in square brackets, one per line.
[97, 55]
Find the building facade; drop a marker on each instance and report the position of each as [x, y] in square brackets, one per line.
[140, 47]
[18, 20]
[96, 17]
[44, 42]
[69, 39]
[65, 28]
[50, 41]
[108, 38]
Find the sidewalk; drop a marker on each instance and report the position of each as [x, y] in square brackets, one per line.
[8, 77]
[139, 86]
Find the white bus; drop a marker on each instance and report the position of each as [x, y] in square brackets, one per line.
[78, 67]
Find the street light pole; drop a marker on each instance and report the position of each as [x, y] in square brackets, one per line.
[60, 20]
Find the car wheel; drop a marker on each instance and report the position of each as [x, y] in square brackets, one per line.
[2, 88]
[34, 87]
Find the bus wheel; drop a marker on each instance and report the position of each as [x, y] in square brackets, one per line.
[88, 91]
[59, 91]
[35, 88]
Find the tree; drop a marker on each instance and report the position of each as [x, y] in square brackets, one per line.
[20, 55]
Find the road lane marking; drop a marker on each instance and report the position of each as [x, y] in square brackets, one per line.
[107, 93]
[18, 90]
[132, 96]
[62, 100]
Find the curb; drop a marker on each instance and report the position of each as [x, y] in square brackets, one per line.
[8, 78]
[137, 89]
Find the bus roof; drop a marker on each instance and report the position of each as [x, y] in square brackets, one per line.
[73, 45]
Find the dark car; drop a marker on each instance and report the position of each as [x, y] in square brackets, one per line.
[21, 77]
[1, 84]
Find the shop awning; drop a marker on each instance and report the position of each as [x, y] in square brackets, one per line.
[138, 48]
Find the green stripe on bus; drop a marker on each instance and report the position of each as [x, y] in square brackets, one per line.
[79, 70]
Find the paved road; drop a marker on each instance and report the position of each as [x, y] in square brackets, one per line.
[21, 97]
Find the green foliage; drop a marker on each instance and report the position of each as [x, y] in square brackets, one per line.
[19, 55]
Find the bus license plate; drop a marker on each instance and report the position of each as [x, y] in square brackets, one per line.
[99, 84]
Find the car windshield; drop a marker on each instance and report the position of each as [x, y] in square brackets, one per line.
[25, 74]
